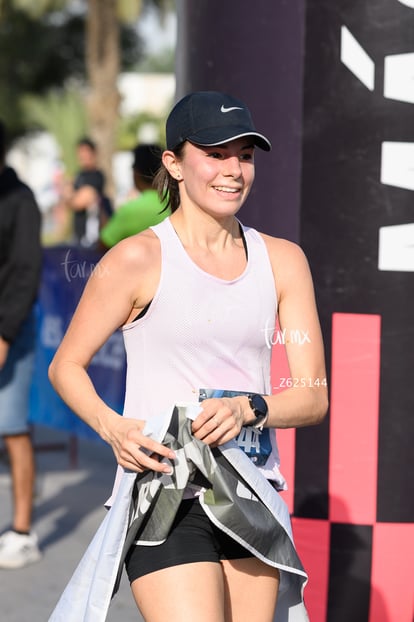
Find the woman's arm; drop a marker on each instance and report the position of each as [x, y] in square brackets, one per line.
[108, 301]
[306, 402]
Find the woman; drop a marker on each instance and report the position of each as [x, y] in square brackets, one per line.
[197, 297]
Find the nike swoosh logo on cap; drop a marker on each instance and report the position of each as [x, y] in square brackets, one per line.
[223, 109]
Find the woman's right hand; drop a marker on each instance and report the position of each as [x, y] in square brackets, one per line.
[134, 450]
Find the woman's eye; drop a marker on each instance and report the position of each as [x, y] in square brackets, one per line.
[246, 157]
[214, 154]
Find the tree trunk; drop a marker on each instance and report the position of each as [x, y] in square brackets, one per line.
[102, 63]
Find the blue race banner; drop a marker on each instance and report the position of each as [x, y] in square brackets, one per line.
[65, 272]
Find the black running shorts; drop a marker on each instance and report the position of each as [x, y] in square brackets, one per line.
[192, 538]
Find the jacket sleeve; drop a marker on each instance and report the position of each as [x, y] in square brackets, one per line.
[24, 266]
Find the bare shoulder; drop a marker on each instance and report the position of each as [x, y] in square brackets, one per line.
[289, 264]
[284, 253]
[128, 273]
[137, 252]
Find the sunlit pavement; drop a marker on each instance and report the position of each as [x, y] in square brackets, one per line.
[68, 510]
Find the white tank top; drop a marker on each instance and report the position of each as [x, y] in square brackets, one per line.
[203, 332]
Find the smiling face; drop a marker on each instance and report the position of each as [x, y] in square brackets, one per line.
[216, 179]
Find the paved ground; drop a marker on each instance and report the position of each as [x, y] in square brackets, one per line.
[69, 508]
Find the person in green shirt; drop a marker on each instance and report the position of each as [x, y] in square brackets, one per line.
[144, 210]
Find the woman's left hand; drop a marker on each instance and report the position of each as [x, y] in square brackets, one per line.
[220, 420]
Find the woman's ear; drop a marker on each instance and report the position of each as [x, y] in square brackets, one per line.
[172, 164]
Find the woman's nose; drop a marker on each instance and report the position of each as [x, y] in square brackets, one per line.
[232, 166]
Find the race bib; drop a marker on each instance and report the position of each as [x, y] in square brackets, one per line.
[255, 443]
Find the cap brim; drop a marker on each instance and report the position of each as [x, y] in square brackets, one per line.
[209, 139]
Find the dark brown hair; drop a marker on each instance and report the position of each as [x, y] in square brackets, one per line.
[85, 141]
[166, 185]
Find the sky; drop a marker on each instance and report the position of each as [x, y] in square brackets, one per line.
[157, 37]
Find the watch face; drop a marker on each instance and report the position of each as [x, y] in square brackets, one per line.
[259, 406]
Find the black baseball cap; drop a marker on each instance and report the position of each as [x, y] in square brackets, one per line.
[209, 118]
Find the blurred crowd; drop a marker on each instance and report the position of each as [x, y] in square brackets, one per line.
[86, 217]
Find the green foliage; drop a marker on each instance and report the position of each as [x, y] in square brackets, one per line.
[39, 54]
[62, 113]
[34, 56]
[163, 62]
[129, 10]
[42, 50]
[129, 129]
[37, 8]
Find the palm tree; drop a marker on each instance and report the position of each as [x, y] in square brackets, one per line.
[47, 111]
[103, 64]
[102, 61]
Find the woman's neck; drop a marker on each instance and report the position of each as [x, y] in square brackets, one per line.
[204, 230]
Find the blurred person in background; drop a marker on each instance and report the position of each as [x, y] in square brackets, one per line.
[87, 197]
[142, 211]
[20, 269]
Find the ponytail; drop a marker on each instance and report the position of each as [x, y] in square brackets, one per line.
[167, 186]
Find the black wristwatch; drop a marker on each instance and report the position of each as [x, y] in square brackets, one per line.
[259, 406]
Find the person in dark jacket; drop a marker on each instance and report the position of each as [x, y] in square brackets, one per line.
[20, 267]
